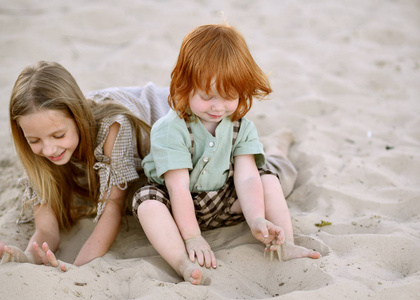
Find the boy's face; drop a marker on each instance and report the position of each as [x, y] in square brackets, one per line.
[51, 134]
[211, 108]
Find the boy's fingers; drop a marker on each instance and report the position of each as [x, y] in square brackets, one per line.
[191, 254]
[213, 260]
[208, 255]
[200, 257]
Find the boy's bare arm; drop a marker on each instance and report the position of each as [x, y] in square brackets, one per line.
[249, 187]
[177, 183]
[250, 193]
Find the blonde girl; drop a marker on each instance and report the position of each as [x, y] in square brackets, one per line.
[207, 168]
[73, 148]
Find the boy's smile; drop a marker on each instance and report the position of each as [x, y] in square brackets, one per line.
[211, 108]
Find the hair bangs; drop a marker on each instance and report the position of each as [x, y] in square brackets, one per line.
[216, 57]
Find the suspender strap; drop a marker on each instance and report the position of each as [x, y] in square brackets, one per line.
[236, 126]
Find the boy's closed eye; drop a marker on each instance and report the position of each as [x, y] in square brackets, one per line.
[60, 136]
[206, 97]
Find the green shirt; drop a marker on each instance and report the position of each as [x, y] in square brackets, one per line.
[209, 166]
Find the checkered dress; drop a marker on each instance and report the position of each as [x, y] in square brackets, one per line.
[212, 208]
[148, 103]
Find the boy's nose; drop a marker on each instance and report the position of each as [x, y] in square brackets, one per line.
[218, 105]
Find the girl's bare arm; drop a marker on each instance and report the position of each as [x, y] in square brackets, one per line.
[106, 230]
[109, 224]
[46, 231]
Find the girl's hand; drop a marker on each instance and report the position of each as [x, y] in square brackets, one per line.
[2, 244]
[13, 254]
[267, 232]
[198, 247]
[47, 257]
[44, 255]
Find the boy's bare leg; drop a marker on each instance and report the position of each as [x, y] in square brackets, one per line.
[278, 143]
[162, 232]
[276, 210]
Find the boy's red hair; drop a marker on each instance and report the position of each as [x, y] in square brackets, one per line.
[219, 55]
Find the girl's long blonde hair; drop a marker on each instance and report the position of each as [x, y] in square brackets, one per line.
[216, 54]
[48, 85]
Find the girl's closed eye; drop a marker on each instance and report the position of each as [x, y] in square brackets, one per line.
[33, 141]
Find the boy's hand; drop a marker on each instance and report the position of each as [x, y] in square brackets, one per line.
[267, 232]
[198, 247]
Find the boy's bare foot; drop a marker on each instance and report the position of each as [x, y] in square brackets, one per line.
[278, 143]
[291, 251]
[194, 274]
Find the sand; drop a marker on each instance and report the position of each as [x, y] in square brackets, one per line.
[346, 80]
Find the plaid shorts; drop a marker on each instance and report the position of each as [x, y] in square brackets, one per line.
[212, 208]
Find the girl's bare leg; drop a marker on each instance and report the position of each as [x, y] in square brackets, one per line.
[162, 232]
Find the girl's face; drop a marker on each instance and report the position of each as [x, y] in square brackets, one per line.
[211, 108]
[51, 134]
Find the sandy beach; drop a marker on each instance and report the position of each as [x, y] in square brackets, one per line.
[346, 81]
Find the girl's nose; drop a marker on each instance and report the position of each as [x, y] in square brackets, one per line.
[49, 149]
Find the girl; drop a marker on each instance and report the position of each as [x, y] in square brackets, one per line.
[76, 147]
[206, 166]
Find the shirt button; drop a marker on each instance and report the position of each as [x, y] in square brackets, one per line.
[211, 144]
[204, 172]
[206, 159]
[198, 187]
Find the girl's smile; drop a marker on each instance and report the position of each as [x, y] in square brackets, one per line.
[57, 158]
[51, 134]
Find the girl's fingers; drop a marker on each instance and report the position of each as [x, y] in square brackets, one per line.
[2, 245]
[41, 253]
[45, 247]
[51, 259]
[63, 268]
